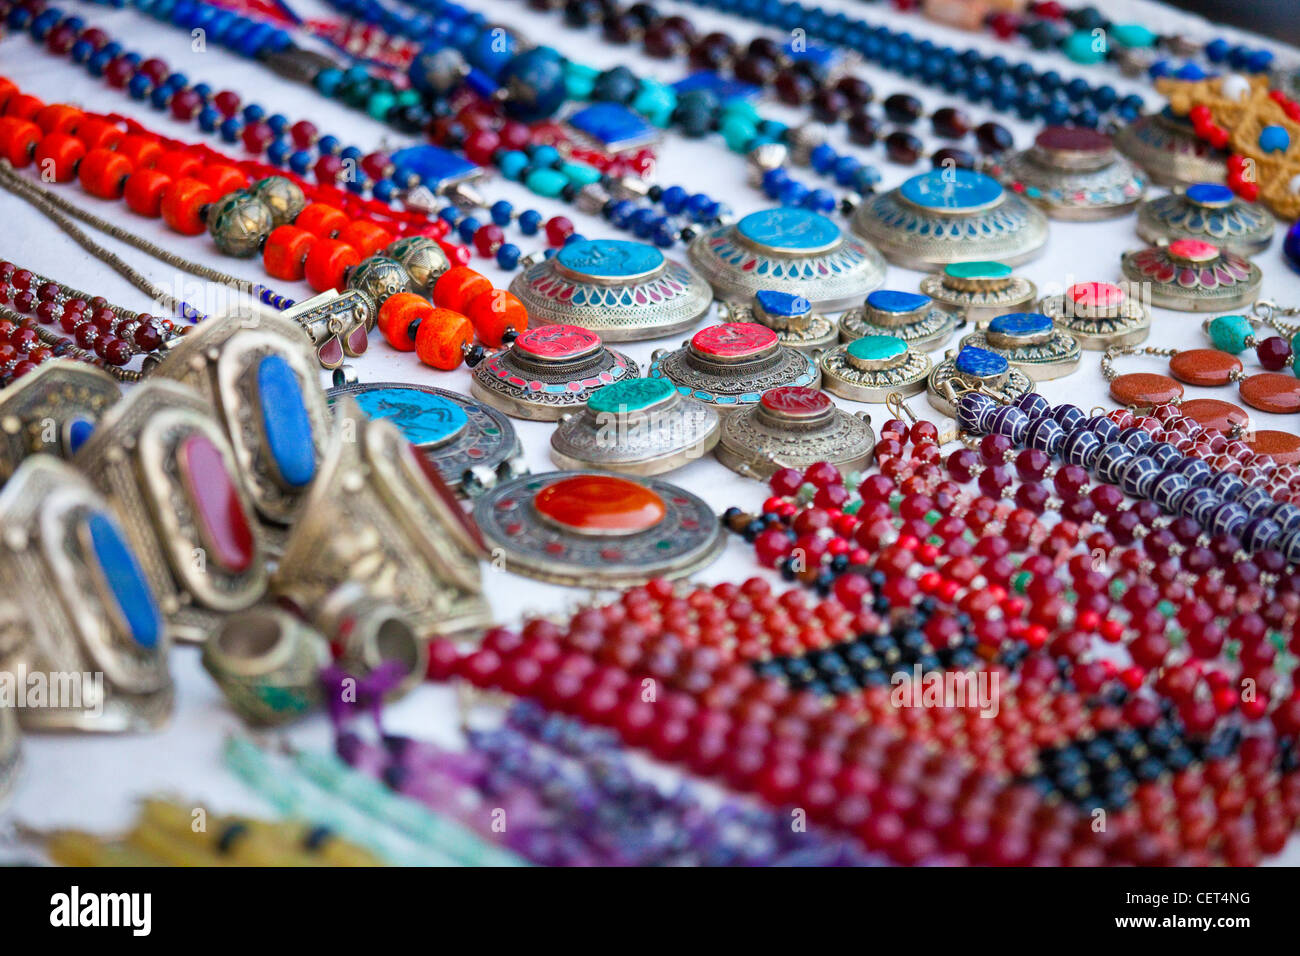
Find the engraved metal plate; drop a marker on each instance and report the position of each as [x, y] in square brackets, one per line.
[978, 291]
[794, 427]
[910, 316]
[1210, 212]
[53, 410]
[1190, 275]
[733, 364]
[1031, 342]
[1073, 173]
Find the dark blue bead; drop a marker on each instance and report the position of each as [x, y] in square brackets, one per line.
[138, 86]
[501, 212]
[674, 198]
[530, 220]
[822, 158]
[508, 256]
[300, 162]
[792, 193]
[254, 112]
[1217, 50]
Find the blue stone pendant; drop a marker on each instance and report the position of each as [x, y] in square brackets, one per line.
[975, 369]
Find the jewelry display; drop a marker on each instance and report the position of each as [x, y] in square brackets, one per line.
[979, 291]
[872, 367]
[790, 316]
[639, 426]
[729, 366]
[947, 216]
[1208, 212]
[1031, 342]
[471, 445]
[78, 602]
[52, 410]
[597, 530]
[790, 427]
[910, 316]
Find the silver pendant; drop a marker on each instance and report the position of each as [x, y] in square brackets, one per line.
[338, 324]
[973, 369]
[1190, 275]
[733, 364]
[1209, 212]
[590, 529]
[624, 291]
[1098, 315]
[471, 445]
[1074, 173]
[1170, 152]
[1031, 343]
[794, 427]
[52, 410]
[547, 371]
[787, 250]
[790, 316]
[872, 367]
[910, 316]
[978, 291]
[951, 215]
[640, 426]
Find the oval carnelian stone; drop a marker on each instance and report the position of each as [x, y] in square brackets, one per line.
[1205, 367]
[1277, 392]
[214, 496]
[599, 505]
[1144, 389]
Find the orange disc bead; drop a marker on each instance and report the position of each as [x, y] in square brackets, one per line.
[458, 287]
[322, 220]
[494, 313]
[223, 179]
[104, 173]
[141, 150]
[327, 264]
[395, 318]
[59, 118]
[7, 91]
[441, 338]
[18, 139]
[23, 106]
[366, 237]
[182, 205]
[144, 192]
[285, 253]
[96, 132]
[180, 165]
[57, 156]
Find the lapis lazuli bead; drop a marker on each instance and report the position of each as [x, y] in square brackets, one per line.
[125, 579]
[979, 362]
[285, 422]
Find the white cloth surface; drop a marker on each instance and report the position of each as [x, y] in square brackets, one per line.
[92, 782]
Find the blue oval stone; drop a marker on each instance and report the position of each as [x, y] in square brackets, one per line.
[79, 429]
[610, 258]
[125, 579]
[423, 417]
[782, 303]
[951, 189]
[979, 362]
[1021, 323]
[891, 300]
[1209, 194]
[789, 228]
[285, 422]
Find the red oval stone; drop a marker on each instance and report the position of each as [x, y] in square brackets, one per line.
[734, 340]
[1193, 250]
[1282, 447]
[1213, 413]
[1097, 295]
[600, 504]
[222, 522]
[1144, 389]
[795, 401]
[1275, 392]
[1204, 367]
[557, 343]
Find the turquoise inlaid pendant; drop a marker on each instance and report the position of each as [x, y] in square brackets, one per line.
[1031, 342]
[951, 215]
[978, 291]
[870, 368]
[788, 250]
[974, 369]
[790, 316]
[622, 290]
[1210, 212]
[910, 316]
[731, 365]
[471, 445]
[640, 426]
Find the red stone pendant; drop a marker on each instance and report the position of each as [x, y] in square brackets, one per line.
[1212, 413]
[1282, 447]
[1276, 392]
[734, 342]
[215, 497]
[1205, 367]
[1144, 389]
[599, 505]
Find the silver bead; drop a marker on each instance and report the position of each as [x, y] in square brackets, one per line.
[421, 199]
[804, 139]
[422, 258]
[282, 196]
[762, 159]
[444, 69]
[239, 223]
[592, 198]
[629, 187]
[380, 277]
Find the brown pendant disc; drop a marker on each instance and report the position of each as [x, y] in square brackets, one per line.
[1212, 413]
[1282, 447]
[1144, 389]
[1205, 367]
[1275, 392]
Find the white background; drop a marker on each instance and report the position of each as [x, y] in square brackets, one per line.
[92, 782]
